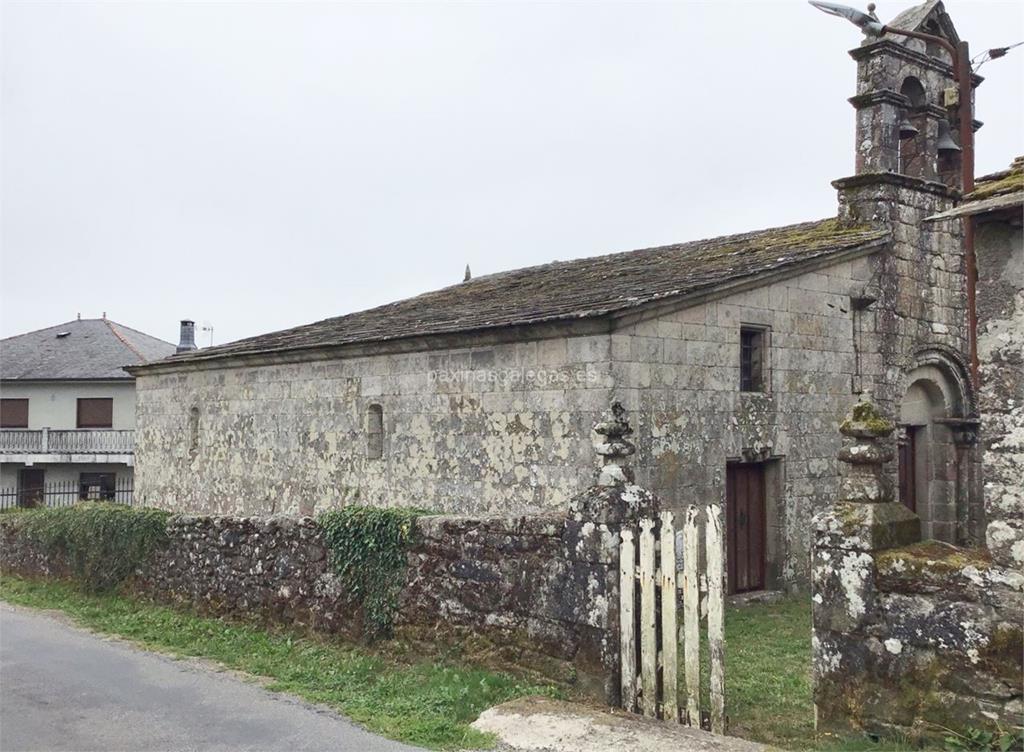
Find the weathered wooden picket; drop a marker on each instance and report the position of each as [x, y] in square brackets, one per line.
[656, 556]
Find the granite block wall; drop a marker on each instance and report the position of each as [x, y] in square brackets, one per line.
[679, 377]
[506, 428]
[502, 429]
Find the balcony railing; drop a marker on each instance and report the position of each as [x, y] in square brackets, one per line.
[80, 441]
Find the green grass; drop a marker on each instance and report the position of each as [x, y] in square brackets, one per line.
[768, 679]
[430, 704]
[768, 672]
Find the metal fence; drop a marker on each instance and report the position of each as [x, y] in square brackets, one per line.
[67, 493]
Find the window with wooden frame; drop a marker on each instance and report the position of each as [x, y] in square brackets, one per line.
[95, 412]
[374, 432]
[13, 413]
[753, 358]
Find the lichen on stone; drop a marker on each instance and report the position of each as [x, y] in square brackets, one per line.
[934, 557]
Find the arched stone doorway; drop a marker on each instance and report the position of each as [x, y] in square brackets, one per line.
[935, 442]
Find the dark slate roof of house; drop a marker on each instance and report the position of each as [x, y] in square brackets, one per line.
[90, 349]
[566, 290]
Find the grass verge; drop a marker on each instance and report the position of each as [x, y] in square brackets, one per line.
[768, 679]
[430, 704]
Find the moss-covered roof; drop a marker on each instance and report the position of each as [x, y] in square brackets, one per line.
[567, 290]
[999, 183]
[994, 195]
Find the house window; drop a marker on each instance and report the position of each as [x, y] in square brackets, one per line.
[753, 353]
[96, 485]
[95, 412]
[13, 413]
[374, 432]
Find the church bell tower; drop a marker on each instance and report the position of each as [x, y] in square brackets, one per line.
[908, 169]
[907, 101]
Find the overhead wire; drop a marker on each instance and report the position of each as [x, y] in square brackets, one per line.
[991, 54]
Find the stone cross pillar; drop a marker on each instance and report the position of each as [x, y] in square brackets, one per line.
[596, 518]
[847, 535]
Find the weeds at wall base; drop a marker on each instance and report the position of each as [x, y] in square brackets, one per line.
[102, 543]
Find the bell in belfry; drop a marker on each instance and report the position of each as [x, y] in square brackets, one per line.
[907, 129]
[946, 144]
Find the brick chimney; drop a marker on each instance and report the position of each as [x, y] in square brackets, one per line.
[187, 339]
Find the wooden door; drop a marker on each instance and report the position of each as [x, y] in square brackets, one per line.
[30, 487]
[746, 527]
[907, 467]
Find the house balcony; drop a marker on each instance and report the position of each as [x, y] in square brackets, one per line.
[78, 446]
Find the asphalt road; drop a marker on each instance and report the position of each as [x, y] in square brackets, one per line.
[62, 688]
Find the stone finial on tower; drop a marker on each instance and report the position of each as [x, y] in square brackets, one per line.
[863, 478]
[611, 442]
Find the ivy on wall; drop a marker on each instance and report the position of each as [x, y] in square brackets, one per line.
[368, 548]
[104, 543]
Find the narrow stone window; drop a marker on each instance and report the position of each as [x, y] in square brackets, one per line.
[374, 432]
[753, 352]
[193, 432]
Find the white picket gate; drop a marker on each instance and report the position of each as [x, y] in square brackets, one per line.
[648, 619]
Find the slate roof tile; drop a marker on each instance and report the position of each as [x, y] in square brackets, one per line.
[91, 349]
[565, 290]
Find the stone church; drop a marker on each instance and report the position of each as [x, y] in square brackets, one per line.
[735, 358]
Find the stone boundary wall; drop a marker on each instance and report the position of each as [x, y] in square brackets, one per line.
[936, 643]
[910, 637]
[529, 594]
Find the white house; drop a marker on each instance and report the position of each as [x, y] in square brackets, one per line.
[67, 410]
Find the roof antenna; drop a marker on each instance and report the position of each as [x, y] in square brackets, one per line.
[469, 274]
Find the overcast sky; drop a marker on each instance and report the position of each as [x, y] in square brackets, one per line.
[259, 166]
